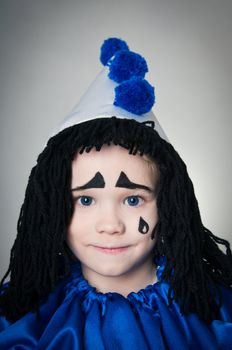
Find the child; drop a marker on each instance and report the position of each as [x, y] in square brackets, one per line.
[111, 252]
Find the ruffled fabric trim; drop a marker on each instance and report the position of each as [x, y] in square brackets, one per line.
[77, 317]
[80, 286]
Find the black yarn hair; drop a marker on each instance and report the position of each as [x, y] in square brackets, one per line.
[40, 259]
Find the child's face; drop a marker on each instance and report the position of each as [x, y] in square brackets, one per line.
[114, 207]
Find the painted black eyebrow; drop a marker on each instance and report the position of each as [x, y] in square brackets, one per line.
[124, 182]
[96, 182]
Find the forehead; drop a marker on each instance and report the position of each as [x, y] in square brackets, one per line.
[110, 161]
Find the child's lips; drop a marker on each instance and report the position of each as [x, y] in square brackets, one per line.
[113, 250]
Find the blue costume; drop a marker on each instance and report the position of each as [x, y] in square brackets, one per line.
[76, 316]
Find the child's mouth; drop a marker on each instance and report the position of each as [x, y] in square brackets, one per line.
[116, 250]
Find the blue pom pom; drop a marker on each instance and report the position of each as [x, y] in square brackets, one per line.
[127, 64]
[135, 95]
[110, 47]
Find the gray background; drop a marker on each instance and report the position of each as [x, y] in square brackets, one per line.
[49, 55]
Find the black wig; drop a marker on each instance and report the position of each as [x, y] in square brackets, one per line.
[195, 266]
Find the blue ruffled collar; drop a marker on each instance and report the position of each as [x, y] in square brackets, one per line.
[78, 285]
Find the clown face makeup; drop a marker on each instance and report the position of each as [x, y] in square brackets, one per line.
[96, 182]
[104, 230]
[143, 226]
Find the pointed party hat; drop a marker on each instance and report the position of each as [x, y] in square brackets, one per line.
[119, 90]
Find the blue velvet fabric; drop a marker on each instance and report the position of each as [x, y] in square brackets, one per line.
[76, 316]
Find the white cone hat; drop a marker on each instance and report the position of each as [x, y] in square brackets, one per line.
[119, 90]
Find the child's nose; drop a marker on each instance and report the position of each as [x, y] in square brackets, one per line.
[109, 221]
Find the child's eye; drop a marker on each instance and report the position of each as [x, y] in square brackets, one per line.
[85, 200]
[133, 201]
